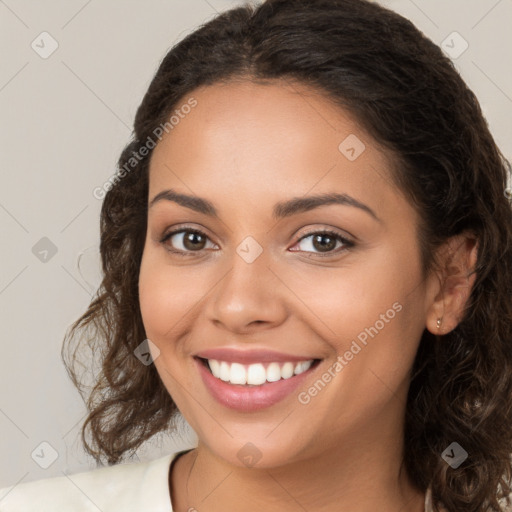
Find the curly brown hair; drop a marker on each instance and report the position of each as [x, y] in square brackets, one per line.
[408, 95]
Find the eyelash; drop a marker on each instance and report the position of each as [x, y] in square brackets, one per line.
[347, 243]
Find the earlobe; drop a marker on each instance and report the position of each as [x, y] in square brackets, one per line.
[457, 277]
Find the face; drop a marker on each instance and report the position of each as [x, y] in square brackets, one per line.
[280, 254]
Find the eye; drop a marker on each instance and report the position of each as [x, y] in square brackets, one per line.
[183, 241]
[324, 242]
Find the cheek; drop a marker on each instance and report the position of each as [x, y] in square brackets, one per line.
[370, 319]
[369, 313]
[348, 299]
[166, 294]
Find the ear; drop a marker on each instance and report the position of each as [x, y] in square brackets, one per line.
[458, 257]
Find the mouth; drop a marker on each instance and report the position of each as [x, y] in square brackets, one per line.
[250, 387]
[256, 374]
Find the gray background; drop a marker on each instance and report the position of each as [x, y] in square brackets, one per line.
[65, 119]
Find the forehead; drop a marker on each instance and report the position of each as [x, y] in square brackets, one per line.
[274, 140]
[259, 121]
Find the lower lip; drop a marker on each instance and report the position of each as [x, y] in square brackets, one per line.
[250, 398]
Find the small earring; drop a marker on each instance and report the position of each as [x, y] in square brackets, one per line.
[439, 323]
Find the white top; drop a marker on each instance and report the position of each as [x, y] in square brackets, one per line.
[132, 487]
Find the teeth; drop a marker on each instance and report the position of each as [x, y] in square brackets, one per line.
[301, 367]
[224, 373]
[256, 374]
[238, 375]
[214, 367]
[287, 370]
[273, 372]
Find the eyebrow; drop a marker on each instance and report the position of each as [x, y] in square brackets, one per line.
[281, 210]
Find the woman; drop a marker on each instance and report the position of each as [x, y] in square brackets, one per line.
[307, 251]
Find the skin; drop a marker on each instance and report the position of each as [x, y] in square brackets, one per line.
[244, 148]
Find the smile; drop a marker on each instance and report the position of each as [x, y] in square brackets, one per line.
[256, 374]
[252, 381]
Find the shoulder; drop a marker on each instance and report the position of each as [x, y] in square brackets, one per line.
[122, 487]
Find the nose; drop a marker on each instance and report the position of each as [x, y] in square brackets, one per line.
[248, 298]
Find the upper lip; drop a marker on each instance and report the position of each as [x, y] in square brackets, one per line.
[249, 356]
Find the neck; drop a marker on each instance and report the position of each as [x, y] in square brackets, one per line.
[367, 479]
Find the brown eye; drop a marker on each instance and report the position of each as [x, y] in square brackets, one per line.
[186, 241]
[193, 241]
[325, 242]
